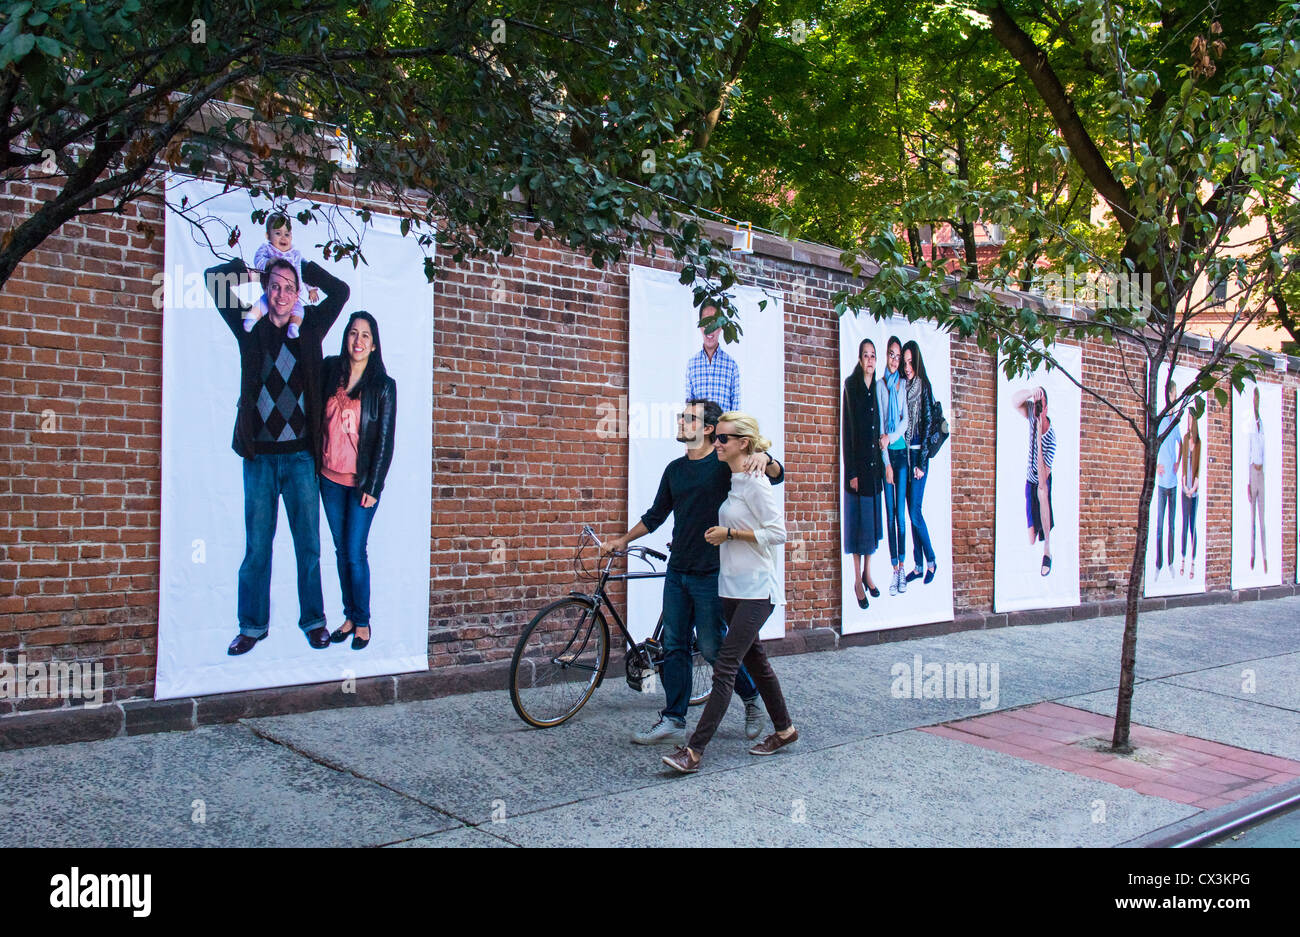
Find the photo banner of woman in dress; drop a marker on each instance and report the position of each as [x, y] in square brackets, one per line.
[895, 501]
[1176, 529]
[1257, 486]
[271, 482]
[669, 358]
[1036, 542]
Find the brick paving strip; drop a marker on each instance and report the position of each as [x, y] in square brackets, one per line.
[1176, 767]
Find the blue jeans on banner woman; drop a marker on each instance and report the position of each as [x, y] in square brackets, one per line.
[691, 603]
[267, 479]
[896, 505]
[921, 547]
[350, 526]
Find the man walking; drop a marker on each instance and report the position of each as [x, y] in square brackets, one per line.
[692, 489]
[711, 373]
[277, 434]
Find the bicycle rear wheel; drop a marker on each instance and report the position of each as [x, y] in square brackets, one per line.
[558, 661]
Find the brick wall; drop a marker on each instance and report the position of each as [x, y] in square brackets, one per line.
[524, 355]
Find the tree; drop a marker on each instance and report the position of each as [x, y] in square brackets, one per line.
[1192, 142]
[846, 109]
[584, 113]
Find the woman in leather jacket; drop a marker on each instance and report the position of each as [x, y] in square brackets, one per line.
[864, 469]
[360, 413]
[920, 404]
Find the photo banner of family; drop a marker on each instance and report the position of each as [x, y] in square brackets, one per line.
[1176, 529]
[296, 492]
[670, 361]
[1257, 486]
[895, 474]
[1036, 540]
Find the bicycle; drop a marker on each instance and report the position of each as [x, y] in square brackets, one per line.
[562, 655]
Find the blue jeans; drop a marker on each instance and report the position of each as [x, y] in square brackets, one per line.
[920, 534]
[691, 603]
[267, 479]
[350, 526]
[896, 505]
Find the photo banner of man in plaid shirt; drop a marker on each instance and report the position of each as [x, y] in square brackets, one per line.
[711, 373]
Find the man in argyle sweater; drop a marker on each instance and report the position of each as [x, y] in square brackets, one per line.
[277, 433]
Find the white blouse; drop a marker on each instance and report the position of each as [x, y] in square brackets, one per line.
[749, 569]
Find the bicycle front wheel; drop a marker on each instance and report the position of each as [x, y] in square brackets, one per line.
[558, 661]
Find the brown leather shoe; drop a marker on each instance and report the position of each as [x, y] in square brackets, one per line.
[683, 759]
[773, 742]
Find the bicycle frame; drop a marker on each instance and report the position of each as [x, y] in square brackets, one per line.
[598, 597]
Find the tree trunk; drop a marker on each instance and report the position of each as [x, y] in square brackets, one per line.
[1136, 576]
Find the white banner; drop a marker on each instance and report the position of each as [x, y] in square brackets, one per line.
[921, 602]
[203, 534]
[1031, 525]
[663, 334]
[1257, 486]
[1176, 548]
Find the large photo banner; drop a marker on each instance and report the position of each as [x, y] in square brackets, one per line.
[1179, 506]
[666, 348]
[895, 501]
[1036, 542]
[1257, 486]
[323, 515]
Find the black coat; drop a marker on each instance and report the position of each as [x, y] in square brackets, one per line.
[860, 437]
[377, 432]
[317, 321]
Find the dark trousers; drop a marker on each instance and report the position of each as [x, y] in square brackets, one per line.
[1189, 522]
[1165, 519]
[691, 606]
[744, 619]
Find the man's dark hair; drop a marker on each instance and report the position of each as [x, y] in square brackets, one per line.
[710, 411]
[279, 264]
[277, 220]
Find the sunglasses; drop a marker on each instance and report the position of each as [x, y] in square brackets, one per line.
[723, 438]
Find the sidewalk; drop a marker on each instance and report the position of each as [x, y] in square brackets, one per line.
[464, 771]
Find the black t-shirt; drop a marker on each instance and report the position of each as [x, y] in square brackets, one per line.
[692, 490]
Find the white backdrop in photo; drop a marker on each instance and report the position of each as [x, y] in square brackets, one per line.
[1017, 582]
[1188, 566]
[202, 541]
[1243, 424]
[663, 333]
[921, 603]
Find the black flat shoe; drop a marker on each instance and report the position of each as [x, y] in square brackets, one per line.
[875, 593]
[340, 636]
[929, 574]
[242, 644]
[319, 637]
[863, 603]
[359, 642]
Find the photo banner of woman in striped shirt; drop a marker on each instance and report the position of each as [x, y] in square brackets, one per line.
[1036, 538]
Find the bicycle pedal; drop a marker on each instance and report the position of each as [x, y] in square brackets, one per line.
[650, 683]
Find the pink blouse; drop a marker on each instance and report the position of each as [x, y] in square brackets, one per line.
[342, 430]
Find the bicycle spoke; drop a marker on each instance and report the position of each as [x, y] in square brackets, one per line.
[557, 663]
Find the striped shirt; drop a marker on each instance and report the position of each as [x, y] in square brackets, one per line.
[717, 380]
[1049, 449]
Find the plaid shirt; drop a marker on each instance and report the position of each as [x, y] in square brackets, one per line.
[717, 380]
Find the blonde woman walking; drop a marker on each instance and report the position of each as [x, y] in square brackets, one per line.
[750, 531]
